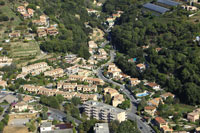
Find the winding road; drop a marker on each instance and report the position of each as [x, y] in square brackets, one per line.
[131, 113]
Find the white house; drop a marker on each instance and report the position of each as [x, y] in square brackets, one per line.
[46, 127]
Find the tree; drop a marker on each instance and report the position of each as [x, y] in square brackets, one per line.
[128, 127]
[76, 100]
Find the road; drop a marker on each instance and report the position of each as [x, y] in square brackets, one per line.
[131, 113]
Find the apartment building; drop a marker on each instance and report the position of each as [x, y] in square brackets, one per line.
[36, 69]
[54, 73]
[104, 112]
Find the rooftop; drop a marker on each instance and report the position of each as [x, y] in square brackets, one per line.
[46, 124]
[101, 128]
[168, 2]
[104, 106]
[155, 8]
[160, 120]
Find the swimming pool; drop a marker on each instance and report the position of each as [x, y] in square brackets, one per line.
[142, 94]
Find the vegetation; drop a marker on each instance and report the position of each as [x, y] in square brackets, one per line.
[176, 66]
[71, 16]
[123, 127]
[52, 101]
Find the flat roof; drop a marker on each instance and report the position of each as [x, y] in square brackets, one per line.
[101, 128]
[168, 2]
[104, 106]
[155, 8]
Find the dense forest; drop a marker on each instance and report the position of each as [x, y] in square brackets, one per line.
[71, 16]
[176, 67]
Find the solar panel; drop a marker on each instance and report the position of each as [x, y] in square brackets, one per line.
[155, 8]
[168, 2]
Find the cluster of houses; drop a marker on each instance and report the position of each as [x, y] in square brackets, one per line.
[34, 69]
[25, 13]
[117, 98]
[43, 31]
[89, 80]
[98, 54]
[151, 107]
[52, 92]
[116, 73]
[54, 73]
[24, 105]
[111, 20]
[71, 87]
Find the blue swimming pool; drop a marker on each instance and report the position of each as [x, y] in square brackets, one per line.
[142, 94]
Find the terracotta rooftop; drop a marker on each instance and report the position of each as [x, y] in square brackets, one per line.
[160, 120]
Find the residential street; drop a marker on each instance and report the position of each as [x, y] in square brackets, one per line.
[144, 127]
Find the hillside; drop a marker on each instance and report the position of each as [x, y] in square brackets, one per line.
[175, 66]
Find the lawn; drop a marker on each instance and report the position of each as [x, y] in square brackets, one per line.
[183, 108]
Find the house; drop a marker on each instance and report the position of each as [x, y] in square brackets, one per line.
[134, 81]
[44, 19]
[72, 70]
[83, 72]
[197, 130]
[90, 11]
[154, 102]
[30, 12]
[14, 35]
[5, 61]
[102, 52]
[160, 122]
[154, 86]
[189, 8]
[3, 83]
[87, 88]
[118, 99]
[193, 116]
[141, 67]
[95, 81]
[92, 44]
[37, 22]
[26, 15]
[36, 68]
[117, 15]
[21, 9]
[166, 129]
[69, 86]
[85, 97]
[52, 31]
[41, 32]
[46, 127]
[166, 95]
[27, 99]
[76, 77]
[150, 110]
[20, 106]
[110, 91]
[54, 73]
